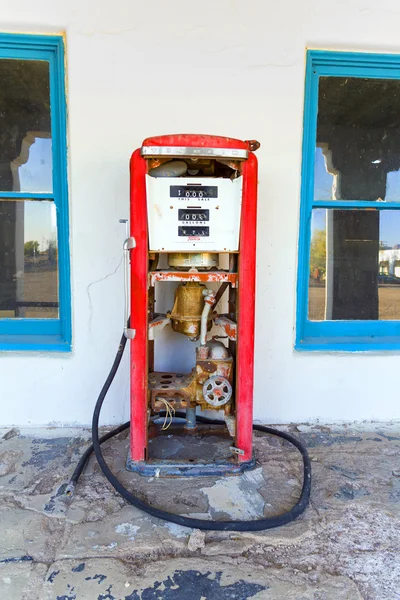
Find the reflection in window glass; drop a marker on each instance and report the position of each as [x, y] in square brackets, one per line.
[32, 170]
[354, 265]
[324, 181]
[28, 259]
[358, 139]
[393, 186]
[25, 127]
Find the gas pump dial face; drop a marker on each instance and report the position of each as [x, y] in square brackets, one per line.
[190, 231]
[192, 191]
[193, 214]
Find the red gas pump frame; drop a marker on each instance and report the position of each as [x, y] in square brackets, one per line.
[139, 282]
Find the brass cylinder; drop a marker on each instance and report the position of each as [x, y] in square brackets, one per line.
[186, 312]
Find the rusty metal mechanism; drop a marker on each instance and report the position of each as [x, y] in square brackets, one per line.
[209, 384]
[214, 371]
[187, 310]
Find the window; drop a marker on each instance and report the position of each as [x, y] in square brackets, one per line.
[35, 311]
[348, 295]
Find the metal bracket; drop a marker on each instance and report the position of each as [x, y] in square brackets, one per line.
[230, 422]
[157, 324]
[189, 151]
[229, 326]
[128, 245]
[237, 450]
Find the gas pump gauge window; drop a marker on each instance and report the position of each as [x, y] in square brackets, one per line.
[190, 231]
[191, 191]
[193, 214]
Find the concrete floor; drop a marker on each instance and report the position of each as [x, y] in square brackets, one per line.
[345, 546]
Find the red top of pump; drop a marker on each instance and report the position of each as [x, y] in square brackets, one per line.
[200, 141]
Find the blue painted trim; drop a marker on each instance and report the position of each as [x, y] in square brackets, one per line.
[338, 336]
[371, 329]
[46, 334]
[60, 185]
[348, 62]
[29, 327]
[343, 344]
[351, 204]
[13, 45]
[34, 343]
[27, 195]
[371, 72]
[307, 191]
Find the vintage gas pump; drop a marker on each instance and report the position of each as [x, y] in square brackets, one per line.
[193, 210]
[193, 221]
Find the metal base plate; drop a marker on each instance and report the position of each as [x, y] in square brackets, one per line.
[177, 452]
[164, 468]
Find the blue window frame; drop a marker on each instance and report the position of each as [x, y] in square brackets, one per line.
[35, 329]
[326, 333]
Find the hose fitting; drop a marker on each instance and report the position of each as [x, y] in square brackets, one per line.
[70, 491]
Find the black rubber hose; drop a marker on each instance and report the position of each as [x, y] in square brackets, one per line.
[70, 489]
[87, 454]
[256, 525]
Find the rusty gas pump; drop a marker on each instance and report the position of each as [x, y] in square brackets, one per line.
[193, 222]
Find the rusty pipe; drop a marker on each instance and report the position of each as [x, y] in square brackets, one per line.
[209, 300]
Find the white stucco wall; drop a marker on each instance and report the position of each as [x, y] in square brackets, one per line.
[231, 68]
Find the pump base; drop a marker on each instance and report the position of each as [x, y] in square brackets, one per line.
[180, 452]
[168, 468]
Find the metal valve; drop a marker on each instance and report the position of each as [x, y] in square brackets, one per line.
[217, 391]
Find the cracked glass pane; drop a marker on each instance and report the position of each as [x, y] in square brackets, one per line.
[25, 126]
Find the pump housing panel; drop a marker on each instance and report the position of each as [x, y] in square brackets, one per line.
[193, 214]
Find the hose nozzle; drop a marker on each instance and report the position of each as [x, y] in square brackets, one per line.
[70, 490]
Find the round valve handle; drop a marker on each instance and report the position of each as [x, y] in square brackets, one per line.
[217, 391]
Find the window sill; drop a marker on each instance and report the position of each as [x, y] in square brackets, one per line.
[34, 343]
[349, 344]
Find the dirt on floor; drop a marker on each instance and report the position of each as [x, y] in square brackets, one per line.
[346, 545]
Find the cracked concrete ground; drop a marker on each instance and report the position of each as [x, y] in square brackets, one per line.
[345, 546]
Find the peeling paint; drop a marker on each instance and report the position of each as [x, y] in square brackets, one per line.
[229, 326]
[237, 497]
[194, 585]
[45, 450]
[314, 440]
[52, 576]
[17, 559]
[351, 527]
[100, 578]
[177, 530]
[204, 277]
[127, 529]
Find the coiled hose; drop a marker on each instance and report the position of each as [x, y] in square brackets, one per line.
[255, 525]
